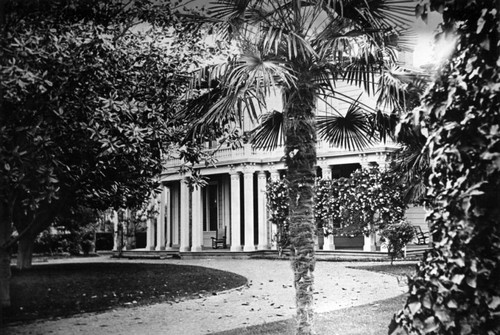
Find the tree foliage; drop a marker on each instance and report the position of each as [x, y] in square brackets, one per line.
[87, 93]
[88, 90]
[455, 290]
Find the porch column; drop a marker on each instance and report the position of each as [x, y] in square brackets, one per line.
[275, 175]
[150, 234]
[248, 210]
[168, 218]
[369, 241]
[235, 212]
[125, 237]
[116, 240]
[197, 222]
[174, 209]
[326, 171]
[262, 211]
[184, 216]
[160, 229]
[329, 243]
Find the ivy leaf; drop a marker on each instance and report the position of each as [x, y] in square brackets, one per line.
[414, 307]
[452, 304]
[426, 301]
[494, 303]
[458, 278]
[430, 325]
[471, 281]
[442, 314]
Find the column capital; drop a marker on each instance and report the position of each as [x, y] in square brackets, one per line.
[249, 168]
[233, 169]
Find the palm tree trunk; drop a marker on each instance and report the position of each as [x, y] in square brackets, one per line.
[300, 153]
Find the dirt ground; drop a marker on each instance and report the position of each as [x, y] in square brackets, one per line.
[268, 297]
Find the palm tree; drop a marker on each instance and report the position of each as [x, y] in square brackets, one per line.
[301, 48]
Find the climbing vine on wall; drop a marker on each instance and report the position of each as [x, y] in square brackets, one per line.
[277, 206]
[346, 206]
[367, 201]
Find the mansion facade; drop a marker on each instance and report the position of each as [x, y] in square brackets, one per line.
[232, 209]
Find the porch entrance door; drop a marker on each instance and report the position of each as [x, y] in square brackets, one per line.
[210, 214]
[212, 207]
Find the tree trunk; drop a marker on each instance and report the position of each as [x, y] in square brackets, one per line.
[5, 275]
[300, 153]
[25, 252]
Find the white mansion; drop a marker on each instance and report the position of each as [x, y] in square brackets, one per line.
[233, 204]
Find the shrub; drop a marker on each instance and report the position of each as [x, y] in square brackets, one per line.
[397, 236]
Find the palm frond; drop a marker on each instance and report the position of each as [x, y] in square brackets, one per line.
[393, 86]
[377, 13]
[350, 131]
[269, 134]
[215, 109]
[259, 73]
[337, 95]
[361, 72]
[412, 161]
[384, 125]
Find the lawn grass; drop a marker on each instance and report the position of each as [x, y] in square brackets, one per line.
[369, 319]
[59, 290]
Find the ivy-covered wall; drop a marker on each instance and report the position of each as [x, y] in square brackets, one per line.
[367, 201]
[456, 289]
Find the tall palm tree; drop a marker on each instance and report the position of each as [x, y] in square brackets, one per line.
[301, 48]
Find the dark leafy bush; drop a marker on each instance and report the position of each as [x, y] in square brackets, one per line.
[397, 237]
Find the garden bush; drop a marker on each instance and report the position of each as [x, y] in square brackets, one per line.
[397, 237]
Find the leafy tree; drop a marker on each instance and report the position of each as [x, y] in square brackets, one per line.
[299, 49]
[455, 290]
[88, 89]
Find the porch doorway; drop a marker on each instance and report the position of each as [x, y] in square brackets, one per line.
[210, 213]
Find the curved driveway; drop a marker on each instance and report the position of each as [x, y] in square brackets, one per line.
[268, 297]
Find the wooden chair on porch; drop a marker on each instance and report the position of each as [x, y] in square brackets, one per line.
[220, 239]
[421, 236]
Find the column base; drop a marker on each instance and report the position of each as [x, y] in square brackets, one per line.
[263, 247]
[369, 248]
[184, 249]
[160, 248]
[329, 243]
[249, 248]
[150, 248]
[196, 248]
[235, 248]
[169, 248]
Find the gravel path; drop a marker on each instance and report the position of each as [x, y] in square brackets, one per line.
[268, 297]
